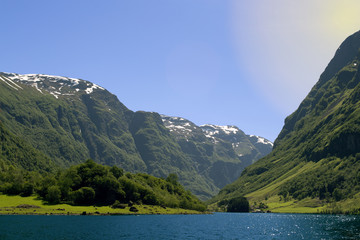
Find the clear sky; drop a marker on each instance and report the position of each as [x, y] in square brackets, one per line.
[225, 62]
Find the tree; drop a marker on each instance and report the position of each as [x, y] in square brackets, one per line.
[53, 195]
[117, 172]
[173, 179]
[239, 204]
[28, 189]
[45, 184]
[84, 196]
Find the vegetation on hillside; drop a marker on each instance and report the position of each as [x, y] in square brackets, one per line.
[93, 184]
[316, 155]
[18, 153]
[49, 133]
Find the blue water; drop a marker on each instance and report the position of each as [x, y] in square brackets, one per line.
[215, 226]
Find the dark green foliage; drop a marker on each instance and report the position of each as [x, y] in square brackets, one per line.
[239, 204]
[335, 180]
[173, 179]
[90, 183]
[20, 154]
[83, 196]
[53, 195]
[18, 182]
[133, 209]
[117, 172]
[118, 204]
[324, 133]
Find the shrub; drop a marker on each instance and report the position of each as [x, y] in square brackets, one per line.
[84, 196]
[53, 195]
[117, 204]
[239, 204]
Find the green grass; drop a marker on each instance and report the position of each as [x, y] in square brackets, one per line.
[348, 205]
[270, 189]
[312, 205]
[8, 206]
[307, 205]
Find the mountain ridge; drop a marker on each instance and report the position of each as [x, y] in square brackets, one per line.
[71, 120]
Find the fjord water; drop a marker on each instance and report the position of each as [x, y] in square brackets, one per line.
[213, 226]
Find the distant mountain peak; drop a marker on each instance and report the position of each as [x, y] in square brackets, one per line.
[55, 85]
[262, 140]
[242, 144]
[214, 129]
[181, 127]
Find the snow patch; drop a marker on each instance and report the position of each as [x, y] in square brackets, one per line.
[215, 129]
[262, 140]
[91, 89]
[56, 96]
[52, 84]
[36, 86]
[9, 82]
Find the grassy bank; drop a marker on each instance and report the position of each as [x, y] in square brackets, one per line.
[312, 205]
[304, 206]
[13, 205]
[276, 204]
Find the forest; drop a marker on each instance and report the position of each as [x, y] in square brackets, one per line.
[90, 183]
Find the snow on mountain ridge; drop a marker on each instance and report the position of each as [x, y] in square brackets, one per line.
[178, 125]
[262, 140]
[245, 146]
[214, 129]
[185, 128]
[10, 83]
[52, 84]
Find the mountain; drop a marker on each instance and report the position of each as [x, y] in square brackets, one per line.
[315, 161]
[218, 152]
[248, 147]
[64, 121]
[68, 120]
[17, 153]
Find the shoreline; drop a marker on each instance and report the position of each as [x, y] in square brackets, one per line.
[17, 205]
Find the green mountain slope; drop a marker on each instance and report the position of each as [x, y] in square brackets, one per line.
[219, 153]
[70, 128]
[163, 155]
[17, 153]
[68, 120]
[315, 160]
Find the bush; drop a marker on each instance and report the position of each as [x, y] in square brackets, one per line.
[28, 190]
[84, 196]
[239, 204]
[133, 209]
[117, 204]
[53, 195]
[117, 172]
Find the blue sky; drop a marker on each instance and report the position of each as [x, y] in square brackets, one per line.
[225, 62]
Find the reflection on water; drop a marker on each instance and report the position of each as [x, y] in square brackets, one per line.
[341, 226]
[214, 226]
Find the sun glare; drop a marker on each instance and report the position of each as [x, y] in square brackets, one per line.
[344, 16]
